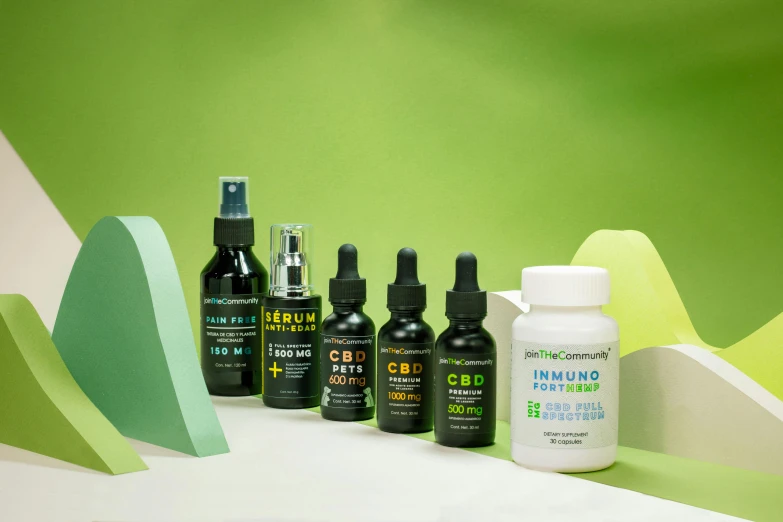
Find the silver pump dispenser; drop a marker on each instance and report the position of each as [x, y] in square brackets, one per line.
[289, 260]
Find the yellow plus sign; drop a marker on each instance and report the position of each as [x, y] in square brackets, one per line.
[274, 369]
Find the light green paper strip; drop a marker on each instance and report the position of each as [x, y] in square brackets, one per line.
[733, 491]
[650, 312]
[123, 331]
[645, 302]
[43, 409]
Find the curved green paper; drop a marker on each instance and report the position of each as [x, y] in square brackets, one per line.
[124, 333]
[648, 307]
[43, 409]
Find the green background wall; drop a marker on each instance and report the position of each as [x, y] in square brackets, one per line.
[513, 129]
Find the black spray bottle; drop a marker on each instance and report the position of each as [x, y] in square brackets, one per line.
[292, 319]
[466, 365]
[347, 346]
[232, 286]
[405, 354]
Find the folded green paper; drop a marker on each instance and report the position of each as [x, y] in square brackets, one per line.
[43, 409]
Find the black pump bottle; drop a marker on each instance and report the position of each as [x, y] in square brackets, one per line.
[232, 285]
[348, 346]
[405, 354]
[466, 365]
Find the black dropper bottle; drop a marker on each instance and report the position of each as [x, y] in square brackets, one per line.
[466, 365]
[348, 346]
[405, 354]
[232, 285]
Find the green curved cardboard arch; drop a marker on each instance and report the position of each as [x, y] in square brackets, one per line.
[43, 409]
[650, 312]
[124, 333]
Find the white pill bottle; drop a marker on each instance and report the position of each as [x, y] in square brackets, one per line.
[565, 372]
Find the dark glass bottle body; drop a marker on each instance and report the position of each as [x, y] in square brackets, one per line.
[405, 327]
[237, 271]
[350, 321]
[469, 338]
[295, 302]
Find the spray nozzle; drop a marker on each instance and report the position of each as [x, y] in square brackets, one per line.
[407, 271]
[233, 225]
[467, 273]
[233, 197]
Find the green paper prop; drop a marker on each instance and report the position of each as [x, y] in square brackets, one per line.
[650, 312]
[43, 409]
[124, 333]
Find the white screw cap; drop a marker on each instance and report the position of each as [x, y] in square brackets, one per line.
[565, 286]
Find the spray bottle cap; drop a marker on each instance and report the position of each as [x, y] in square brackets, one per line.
[466, 300]
[234, 195]
[406, 292]
[234, 226]
[347, 286]
[291, 263]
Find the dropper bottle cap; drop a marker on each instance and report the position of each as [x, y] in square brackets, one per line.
[406, 292]
[466, 300]
[234, 226]
[347, 286]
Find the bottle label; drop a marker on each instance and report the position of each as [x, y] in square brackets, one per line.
[566, 396]
[405, 380]
[465, 393]
[291, 352]
[348, 371]
[231, 332]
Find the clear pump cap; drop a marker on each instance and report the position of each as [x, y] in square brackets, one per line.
[291, 260]
[234, 197]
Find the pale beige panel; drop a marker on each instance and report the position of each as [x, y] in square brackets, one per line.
[292, 466]
[37, 247]
[686, 401]
[502, 309]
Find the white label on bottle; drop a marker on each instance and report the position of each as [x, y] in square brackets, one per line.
[565, 396]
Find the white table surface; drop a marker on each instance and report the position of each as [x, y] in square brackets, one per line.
[294, 466]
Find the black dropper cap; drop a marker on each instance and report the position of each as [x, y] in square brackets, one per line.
[406, 292]
[347, 287]
[466, 300]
